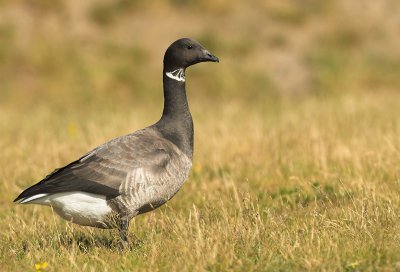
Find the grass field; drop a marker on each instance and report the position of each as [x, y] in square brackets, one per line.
[297, 147]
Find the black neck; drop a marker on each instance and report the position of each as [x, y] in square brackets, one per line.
[176, 122]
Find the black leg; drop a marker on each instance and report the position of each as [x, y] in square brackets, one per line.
[123, 232]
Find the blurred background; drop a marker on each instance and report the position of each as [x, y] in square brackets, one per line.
[83, 53]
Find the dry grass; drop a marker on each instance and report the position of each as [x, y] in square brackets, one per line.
[294, 174]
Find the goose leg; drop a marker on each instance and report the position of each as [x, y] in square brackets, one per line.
[123, 232]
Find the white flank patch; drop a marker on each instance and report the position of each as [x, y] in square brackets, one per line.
[178, 74]
[81, 208]
[31, 198]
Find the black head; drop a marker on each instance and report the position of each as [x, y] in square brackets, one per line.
[185, 52]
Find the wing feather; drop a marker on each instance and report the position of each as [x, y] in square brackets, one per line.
[104, 169]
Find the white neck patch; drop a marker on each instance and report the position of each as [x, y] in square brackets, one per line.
[178, 74]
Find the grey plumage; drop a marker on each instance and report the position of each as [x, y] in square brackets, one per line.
[131, 174]
[136, 172]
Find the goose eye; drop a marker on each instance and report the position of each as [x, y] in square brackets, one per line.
[189, 47]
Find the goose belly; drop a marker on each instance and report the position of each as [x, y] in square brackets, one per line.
[142, 191]
[81, 208]
[142, 199]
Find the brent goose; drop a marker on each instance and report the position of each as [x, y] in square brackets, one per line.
[131, 174]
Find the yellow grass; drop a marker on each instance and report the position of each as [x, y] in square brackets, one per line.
[297, 147]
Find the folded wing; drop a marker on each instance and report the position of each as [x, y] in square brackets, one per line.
[104, 169]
